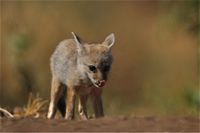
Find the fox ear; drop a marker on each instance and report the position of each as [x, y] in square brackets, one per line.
[78, 42]
[110, 40]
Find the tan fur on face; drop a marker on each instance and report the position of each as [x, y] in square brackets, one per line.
[95, 52]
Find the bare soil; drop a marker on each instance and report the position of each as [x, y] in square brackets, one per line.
[120, 123]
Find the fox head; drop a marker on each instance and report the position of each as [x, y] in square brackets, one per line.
[95, 60]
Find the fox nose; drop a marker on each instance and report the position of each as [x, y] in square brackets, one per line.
[100, 83]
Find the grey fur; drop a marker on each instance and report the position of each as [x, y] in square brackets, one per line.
[70, 68]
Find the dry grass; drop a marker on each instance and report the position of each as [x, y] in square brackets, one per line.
[35, 107]
[6, 113]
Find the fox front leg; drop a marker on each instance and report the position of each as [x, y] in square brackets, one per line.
[56, 91]
[82, 109]
[98, 107]
[97, 103]
[70, 100]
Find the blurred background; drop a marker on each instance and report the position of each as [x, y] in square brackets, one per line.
[156, 58]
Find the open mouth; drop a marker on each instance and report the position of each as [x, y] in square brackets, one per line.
[100, 83]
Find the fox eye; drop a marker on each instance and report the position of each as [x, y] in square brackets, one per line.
[92, 68]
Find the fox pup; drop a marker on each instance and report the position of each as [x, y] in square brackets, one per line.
[79, 69]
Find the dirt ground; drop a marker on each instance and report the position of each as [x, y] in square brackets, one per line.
[120, 123]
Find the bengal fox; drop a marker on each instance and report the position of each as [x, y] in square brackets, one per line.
[79, 69]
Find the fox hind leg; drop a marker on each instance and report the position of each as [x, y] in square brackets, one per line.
[62, 103]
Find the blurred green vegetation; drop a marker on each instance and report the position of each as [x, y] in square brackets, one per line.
[193, 98]
[20, 43]
[155, 56]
